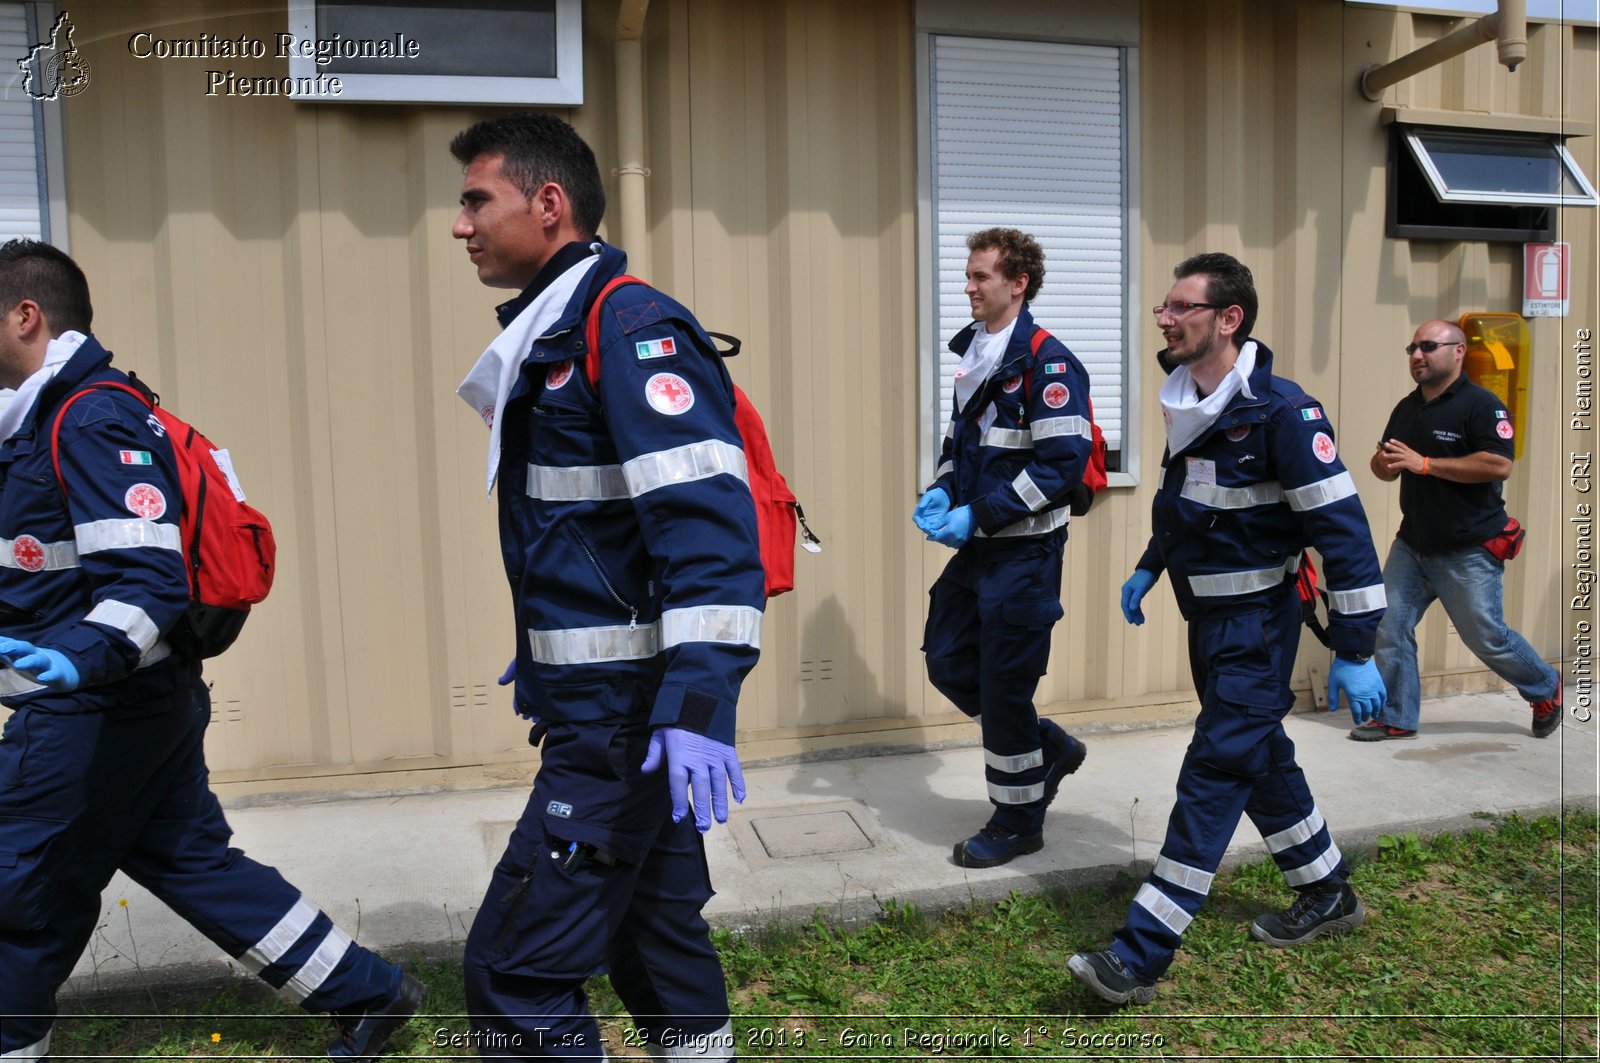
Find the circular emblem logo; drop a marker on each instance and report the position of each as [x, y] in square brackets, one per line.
[145, 500]
[1010, 386]
[1322, 447]
[1503, 429]
[1237, 432]
[558, 375]
[1056, 396]
[669, 393]
[28, 553]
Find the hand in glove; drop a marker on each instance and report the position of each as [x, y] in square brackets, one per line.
[1133, 592]
[1362, 685]
[45, 666]
[957, 529]
[931, 510]
[697, 763]
[521, 708]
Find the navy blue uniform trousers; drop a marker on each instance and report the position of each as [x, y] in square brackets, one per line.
[597, 878]
[1239, 761]
[82, 795]
[987, 643]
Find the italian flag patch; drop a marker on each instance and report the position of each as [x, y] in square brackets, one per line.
[1311, 413]
[134, 457]
[655, 348]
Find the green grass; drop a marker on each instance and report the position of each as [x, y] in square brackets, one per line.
[1476, 945]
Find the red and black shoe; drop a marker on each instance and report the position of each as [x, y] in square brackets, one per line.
[1547, 713]
[1373, 731]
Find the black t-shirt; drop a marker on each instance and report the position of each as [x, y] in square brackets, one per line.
[1441, 515]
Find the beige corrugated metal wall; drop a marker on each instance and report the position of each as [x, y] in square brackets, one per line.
[285, 274]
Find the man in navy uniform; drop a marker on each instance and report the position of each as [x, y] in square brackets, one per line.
[1019, 441]
[628, 535]
[1251, 477]
[102, 760]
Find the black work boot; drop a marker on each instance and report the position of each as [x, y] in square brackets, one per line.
[1323, 910]
[1106, 974]
[363, 1035]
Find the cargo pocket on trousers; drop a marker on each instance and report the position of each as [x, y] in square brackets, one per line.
[25, 849]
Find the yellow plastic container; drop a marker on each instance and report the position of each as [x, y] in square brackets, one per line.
[1497, 360]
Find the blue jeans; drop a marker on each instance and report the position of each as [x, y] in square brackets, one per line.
[1467, 581]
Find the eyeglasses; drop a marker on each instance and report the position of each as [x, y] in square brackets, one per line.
[1183, 306]
[1429, 346]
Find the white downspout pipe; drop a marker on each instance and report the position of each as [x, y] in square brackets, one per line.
[632, 218]
[1508, 26]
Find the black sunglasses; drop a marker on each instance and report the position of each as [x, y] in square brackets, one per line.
[1429, 346]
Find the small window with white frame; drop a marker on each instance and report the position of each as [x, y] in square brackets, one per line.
[525, 52]
[1476, 166]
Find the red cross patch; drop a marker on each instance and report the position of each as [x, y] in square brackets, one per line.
[558, 375]
[145, 500]
[28, 553]
[1322, 447]
[669, 393]
[1237, 432]
[1010, 386]
[1056, 396]
[1503, 429]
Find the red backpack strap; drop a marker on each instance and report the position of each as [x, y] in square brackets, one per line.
[1039, 336]
[61, 412]
[591, 327]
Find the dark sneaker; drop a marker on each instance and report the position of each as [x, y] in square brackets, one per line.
[1373, 731]
[995, 845]
[1068, 761]
[1547, 714]
[363, 1036]
[1315, 913]
[1111, 981]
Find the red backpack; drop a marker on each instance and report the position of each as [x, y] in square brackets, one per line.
[777, 510]
[228, 545]
[1094, 473]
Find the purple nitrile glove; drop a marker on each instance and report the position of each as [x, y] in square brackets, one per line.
[47, 667]
[699, 764]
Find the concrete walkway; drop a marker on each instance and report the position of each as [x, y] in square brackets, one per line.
[841, 836]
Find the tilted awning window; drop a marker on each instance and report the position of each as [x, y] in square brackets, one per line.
[1468, 166]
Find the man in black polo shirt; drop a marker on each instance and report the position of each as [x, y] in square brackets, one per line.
[1449, 443]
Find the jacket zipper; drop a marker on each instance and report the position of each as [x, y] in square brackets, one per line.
[633, 613]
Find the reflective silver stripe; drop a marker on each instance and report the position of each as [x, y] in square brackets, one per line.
[1317, 870]
[1216, 497]
[1012, 765]
[1029, 492]
[56, 556]
[716, 1045]
[281, 938]
[1190, 878]
[128, 619]
[594, 645]
[580, 483]
[13, 683]
[692, 461]
[1051, 427]
[1008, 438]
[1362, 600]
[126, 534]
[944, 469]
[1222, 584]
[729, 625]
[1321, 493]
[1038, 524]
[1298, 834]
[309, 978]
[37, 1050]
[1017, 795]
[1163, 908]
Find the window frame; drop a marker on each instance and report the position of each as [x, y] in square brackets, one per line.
[1415, 136]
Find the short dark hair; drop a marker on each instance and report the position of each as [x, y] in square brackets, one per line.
[1019, 254]
[539, 148]
[32, 269]
[1228, 281]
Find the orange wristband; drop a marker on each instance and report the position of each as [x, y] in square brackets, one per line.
[1424, 466]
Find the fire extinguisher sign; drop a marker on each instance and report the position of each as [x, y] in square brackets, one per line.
[1546, 269]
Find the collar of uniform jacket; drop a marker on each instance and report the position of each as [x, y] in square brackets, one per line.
[489, 382]
[1187, 416]
[1018, 349]
[57, 354]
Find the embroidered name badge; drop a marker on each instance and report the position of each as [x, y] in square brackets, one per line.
[655, 348]
[1311, 413]
[134, 457]
[1322, 447]
[1055, 368]
[558, 375]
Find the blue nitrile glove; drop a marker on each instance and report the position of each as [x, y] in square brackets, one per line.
[698, 763]
[1133, 592]
[1362, 686]
[931, 510]
[44, 666]
[508, 677]
[957, 529]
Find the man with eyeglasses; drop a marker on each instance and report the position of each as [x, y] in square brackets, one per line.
[1449, 444]
[1251, 477]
